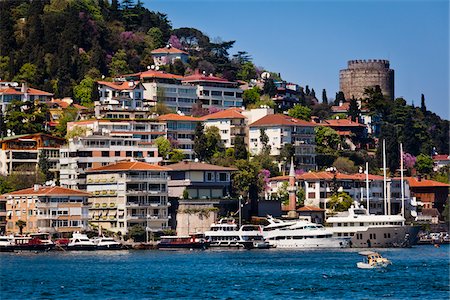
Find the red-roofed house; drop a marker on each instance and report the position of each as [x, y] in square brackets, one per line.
[12, 91]
[47, 209]
[168, 55]
[440, 161]
[165, 87]
[215, 91]
[282, 130]
[432, 194]
[128, 193]
[121, 100]
[353, 132]
[231, 123]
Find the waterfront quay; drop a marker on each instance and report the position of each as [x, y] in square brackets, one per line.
[274, 274]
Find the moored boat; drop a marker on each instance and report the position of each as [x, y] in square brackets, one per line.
[80, 242]
[193, 241]
[107, 243]
[34, 242]
[7, 243]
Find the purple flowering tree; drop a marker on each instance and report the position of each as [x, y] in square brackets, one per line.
[175, 42]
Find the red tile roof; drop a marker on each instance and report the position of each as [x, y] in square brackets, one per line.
[177, 117]
[281, 120]
[441, 157]
[197, 166]
[310, 208]
[154, 74]
[30, 91]
[48, 191]
[10, 91]
[120, 85]
[200, 77]
[168, 50]
[341, 123]
[231, 113]
[415, 183]
[37, 92]
[128, 166]
[323, 175]
[344, 107]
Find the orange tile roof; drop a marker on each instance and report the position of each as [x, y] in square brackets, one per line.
[344, 107]
[323, 175]
[310, 208]
[177, 117]
[32, 91]
[128, 166]
[441, 157]
[155, 74]
[201, 77]
[231, 113]
[10, 91]
[120, 85]
[341, 123]
[197, 166]
[48, 191]
[281, 120]
[168, 50]
[415, 183]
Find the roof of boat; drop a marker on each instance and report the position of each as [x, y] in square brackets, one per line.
[367, 253]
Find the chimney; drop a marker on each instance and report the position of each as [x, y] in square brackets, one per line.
[24, 87]
[419, 177]
[36, 187]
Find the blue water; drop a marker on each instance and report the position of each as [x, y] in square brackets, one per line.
[421, 272]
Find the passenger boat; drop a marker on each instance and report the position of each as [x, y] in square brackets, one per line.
[7, 243]
[225, 233]
[293, 234]
[107, 243]
[193, 241]
[80, 242]
[372, 260]
[34, 242]
[367, 231]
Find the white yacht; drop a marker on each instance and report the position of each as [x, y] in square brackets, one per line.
[107, 243]
[80, 242]
[295, 234]
[226, 233]
[366, 230]
[7, 243]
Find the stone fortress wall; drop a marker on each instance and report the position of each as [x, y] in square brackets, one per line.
[361, 74]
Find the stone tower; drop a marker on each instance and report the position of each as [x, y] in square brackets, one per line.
[292, 189]
[361, 74]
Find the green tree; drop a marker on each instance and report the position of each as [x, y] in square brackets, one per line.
[200, 142]
[4, 67]
[345, 165]
[423, 108]
[340, 97]
[27, 73]
[137, 233]
[246, 181]
[155, 38]
[324, 97]
[213, 141]
[44, 167]
[353, 111]
[300, 112]
[69, 115]
[176, 155]
[424, 164]
[251, 96]
[269, 87]
[240, 150]
[119, 64]
[26, 117]
[327, 140]
[164, 146]
[264, 139]
[21, 224]
[322, 111]
[340, 202]
[247, 71]
[286, 152]
[376, 102]
[83, 91]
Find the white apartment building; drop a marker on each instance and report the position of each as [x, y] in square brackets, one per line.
[82, 153]
[146, 130]
[282, 130]
[121, 100]
[10, 91]
[231, 123]
[125, 194]
[215, 91]
[166, 88]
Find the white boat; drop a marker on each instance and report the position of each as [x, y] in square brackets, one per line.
[372, 260]
[226, 233]
[7, 243]
[80, 242]
[107, 243]
[366, 230]
[295, 234]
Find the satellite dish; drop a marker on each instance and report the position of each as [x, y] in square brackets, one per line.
[131, 83]
[103, 76]
[148, 67]
[152, 67]
[414, 213]
[157, 68]
[265, 75]
[204, 72]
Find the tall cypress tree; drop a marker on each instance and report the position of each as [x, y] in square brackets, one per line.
[353, 110]
[423, 108]
[200, 142]
[324, 96]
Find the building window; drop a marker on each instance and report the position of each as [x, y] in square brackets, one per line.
[117, 153]
[128, 154]
[216, 93]
[223, 177]
[105, 153]
[209, 176]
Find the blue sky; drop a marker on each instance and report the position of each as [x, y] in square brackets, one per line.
[308, 42]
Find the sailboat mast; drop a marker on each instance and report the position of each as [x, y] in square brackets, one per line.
[384, 179]
[367, 186]
[401, 180]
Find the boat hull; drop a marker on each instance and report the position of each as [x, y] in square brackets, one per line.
[386, 237]
[309, 243]
[182, 246]
[110, 247]
[81, 248]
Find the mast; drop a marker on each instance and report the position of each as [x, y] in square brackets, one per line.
[401, 181]
[384, 179]
[367, 186]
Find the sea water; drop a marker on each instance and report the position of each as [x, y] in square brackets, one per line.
[420, 272]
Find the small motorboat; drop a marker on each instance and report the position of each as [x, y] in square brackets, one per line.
[80, 242]
[107, 243]
[372, 260]
[193, 241]
[7, 243]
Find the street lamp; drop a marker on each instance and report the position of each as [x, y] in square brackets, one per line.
[147, 228]
[240, 211]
